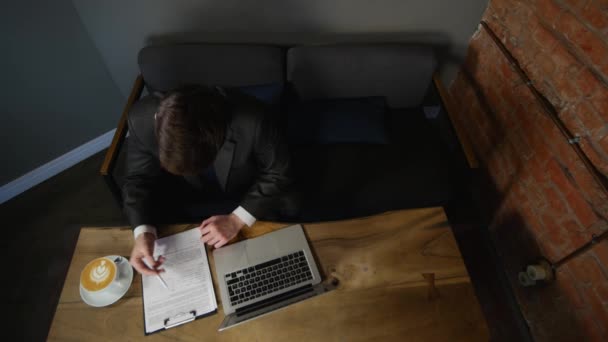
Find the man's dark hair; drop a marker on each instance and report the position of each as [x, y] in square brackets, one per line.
[190, 128]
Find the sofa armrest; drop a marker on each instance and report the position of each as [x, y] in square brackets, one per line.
[460, 133]
[121, 130]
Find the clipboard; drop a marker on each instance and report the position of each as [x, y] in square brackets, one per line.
[177, 320]
[183, 318]
[190, 294]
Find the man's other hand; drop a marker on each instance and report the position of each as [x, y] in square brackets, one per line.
[142, 255]
[218, 230]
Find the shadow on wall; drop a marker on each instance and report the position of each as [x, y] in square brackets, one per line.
[509, 219]
[440, 42]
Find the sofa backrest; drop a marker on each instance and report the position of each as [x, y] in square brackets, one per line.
[400, 72]
[229, 65]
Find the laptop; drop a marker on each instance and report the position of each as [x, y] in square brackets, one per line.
[260, 275]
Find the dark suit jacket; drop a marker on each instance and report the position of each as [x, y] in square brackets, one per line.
[253, 160]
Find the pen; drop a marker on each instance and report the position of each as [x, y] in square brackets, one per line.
[162, 281]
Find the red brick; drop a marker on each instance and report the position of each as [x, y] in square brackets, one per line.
[563, 58]
[507, 70]
[500, 7]
[548, 127]
[558, 176]
[517, 18]
[521, 195]
[598, 160]
[602, 291]
[563, 151]
[591, 330]
[525, 116]
[591, 45]
[595, 16]
[522, 145]
[581, 209]
[495, 166]
[558, 172]
[536, 197]
[514, 157]
[604, 71]
[507, 108]
[588, 116]
[603, 142]
[526, 49]
[556, 237]
[568, 25]
[587, 82]
[545, 65]
[599, 100]
[564, 86]
[531, 220]
[601, 252]
[566, 283]
[571, 121]
[590, 187]
[576, 235]
[599, 310]
[586, 270]
[576, 4]
[552, 252]
[548, 10]
[540, 147]
[555, 200]
[545, 38]
[535, 166]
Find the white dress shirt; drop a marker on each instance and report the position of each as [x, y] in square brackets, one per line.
[240, 212]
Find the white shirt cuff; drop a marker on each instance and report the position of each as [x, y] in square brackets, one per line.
[245, 216]
[144, 228]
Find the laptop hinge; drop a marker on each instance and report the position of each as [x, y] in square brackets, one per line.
[273, 300]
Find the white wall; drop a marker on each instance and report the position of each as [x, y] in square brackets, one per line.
[120, 28]
[55, 91]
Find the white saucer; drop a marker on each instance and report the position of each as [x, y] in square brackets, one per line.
[105, 299]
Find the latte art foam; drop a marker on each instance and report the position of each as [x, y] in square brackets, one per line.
[98, 274]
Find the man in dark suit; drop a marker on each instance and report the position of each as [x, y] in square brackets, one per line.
[202, 143]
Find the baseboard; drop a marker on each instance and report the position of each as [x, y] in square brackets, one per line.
[55, 166]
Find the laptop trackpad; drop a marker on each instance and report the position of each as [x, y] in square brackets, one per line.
[261, 250]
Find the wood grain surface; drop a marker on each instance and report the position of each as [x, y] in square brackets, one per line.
[382, 263]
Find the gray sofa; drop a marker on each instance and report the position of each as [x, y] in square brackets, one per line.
[418, 168]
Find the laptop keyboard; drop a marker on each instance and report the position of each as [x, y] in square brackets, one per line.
[268, 277]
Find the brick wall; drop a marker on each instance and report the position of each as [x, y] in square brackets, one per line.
[546, 202]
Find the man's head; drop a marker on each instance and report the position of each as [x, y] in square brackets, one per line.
[190, 128]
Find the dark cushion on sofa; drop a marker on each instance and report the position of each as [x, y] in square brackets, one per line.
[356, 120]
[270, 94]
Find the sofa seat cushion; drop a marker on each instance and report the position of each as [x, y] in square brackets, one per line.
[329, 121]
[350, 180]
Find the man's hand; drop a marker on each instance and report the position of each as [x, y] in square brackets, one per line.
[218, 230]
[142, 254]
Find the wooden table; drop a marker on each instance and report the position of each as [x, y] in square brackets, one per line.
[401, 277]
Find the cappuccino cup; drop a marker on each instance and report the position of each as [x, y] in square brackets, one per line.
[102, 276]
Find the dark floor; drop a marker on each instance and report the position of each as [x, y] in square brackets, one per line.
[42, 225]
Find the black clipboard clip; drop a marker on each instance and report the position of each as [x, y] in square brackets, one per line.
[179, 319]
